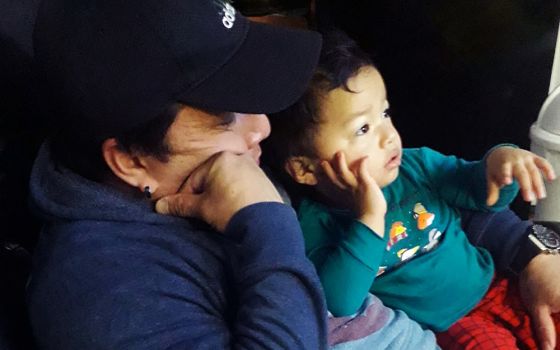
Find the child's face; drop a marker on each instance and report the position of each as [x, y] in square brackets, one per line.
[357, 123]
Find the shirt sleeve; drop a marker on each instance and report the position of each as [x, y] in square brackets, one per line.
[462, 183]
[347, 255]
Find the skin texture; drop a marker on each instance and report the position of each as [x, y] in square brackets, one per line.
[506, 163]
[357, 149]
[540, 290]
[209, 195]
[195, 136]
[208, 153]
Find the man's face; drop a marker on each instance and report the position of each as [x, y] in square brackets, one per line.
[358, 124]
[196, 135]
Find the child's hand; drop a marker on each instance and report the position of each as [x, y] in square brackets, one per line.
[369, 202]
[505, 163]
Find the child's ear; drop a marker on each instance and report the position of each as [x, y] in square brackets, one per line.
[302, 170]
[130, 168]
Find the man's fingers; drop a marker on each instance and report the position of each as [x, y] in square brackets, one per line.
[181, 204]
[544, 328]
[493, 193]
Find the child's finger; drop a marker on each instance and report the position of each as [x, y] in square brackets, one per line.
[364, 177]
[493, 190]
[522, 176]
[537, 180]
[546, 168]
[345, 173]
[506, 177]
[331, 174]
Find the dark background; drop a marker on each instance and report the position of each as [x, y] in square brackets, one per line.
[462, 76]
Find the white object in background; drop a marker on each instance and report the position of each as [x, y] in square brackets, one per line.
[545, 141]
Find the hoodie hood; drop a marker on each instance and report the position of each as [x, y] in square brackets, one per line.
[57, 193]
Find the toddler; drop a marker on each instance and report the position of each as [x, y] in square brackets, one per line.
[382, 219]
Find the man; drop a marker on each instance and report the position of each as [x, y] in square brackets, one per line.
[150, 98]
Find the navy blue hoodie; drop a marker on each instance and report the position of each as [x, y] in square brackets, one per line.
[110, 273]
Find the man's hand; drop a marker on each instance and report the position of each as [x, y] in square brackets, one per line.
[218, 188]
[506, 163]
[369, 202]
[539, 285]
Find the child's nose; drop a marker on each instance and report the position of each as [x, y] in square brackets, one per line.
[389, 136]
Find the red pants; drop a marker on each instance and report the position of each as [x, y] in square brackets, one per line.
[499, 321]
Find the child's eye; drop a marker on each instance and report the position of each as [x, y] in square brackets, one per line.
[363, 130]
[387, 113]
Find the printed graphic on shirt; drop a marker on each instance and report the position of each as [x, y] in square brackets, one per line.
[413, 231]
[407, 253]
[381, 270]
[434, 237]
[397, 232]
[422, 216]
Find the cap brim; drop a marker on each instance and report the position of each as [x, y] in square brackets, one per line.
[269, 71]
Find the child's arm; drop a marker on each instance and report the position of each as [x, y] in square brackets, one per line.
[348, 267]
[369, 203]
[480, 185]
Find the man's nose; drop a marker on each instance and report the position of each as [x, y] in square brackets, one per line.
[256, 128]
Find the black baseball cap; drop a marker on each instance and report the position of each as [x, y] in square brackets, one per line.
[116, 64]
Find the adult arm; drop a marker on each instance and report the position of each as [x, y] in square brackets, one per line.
[504, 234]
[280, 299]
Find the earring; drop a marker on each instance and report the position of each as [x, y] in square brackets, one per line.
[147, 192]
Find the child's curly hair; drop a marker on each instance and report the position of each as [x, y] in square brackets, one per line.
[293, 128]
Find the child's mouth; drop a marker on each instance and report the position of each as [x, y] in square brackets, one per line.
[394, 161]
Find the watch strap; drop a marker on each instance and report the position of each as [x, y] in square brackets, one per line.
[538, 239]
[526, 252]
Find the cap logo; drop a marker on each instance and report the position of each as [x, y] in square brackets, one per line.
[229, 15]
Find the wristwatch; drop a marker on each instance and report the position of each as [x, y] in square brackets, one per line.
[540, 240]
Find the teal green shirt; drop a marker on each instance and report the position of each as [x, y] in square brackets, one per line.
[424, 265]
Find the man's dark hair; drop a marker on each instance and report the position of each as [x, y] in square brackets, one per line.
[293, 128]
[79, 148]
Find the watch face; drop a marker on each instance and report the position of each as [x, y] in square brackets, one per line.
[547, 237]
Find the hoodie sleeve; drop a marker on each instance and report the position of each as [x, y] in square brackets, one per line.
[501, 233]
[281, 302]
[102, 285]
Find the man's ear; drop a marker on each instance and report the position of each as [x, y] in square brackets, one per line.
[302, 170]
[128, 167]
